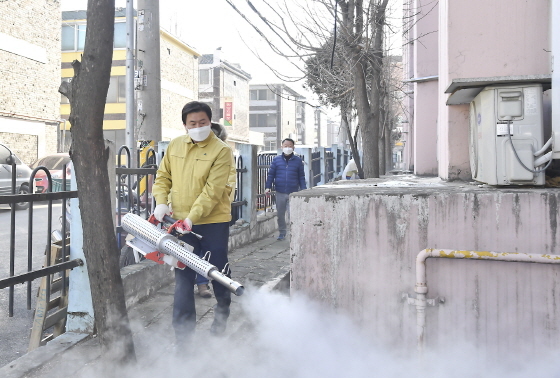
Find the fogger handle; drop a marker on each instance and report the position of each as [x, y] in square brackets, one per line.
[168, 219]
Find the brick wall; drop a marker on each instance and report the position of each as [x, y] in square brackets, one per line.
[179, 75]
[30, 87]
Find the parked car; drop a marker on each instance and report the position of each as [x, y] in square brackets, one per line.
[55, 164]
[23, 173]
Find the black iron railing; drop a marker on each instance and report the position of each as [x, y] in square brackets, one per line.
[238, 201]
[316, 168]
[264, 200]
[24, 199]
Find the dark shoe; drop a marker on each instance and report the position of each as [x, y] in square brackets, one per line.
[281, 237]
[218, 327]
[204, 291]
[221, 315]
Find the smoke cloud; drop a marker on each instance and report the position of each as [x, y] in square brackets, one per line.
[295, 337]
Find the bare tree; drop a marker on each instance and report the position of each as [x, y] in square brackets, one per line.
[297, 34]
[87, 93]
[328, 76]
[362, 37]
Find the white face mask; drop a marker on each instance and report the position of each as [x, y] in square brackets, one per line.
[200, 133]
[287, 150]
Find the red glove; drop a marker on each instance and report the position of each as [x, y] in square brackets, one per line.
[181, 226]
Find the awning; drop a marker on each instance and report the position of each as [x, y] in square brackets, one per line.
[463, 91]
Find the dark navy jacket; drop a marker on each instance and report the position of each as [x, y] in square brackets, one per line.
[287, 174]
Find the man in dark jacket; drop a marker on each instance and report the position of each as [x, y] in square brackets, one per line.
[287, 174]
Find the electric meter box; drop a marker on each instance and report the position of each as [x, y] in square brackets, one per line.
[493, 160]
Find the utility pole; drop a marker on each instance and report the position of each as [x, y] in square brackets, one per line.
[148, 66]
[130, 139]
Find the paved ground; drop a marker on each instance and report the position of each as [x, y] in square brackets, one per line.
[259, 266]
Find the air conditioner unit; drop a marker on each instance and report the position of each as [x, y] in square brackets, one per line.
[506, 135]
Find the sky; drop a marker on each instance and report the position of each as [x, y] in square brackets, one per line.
[210, 24]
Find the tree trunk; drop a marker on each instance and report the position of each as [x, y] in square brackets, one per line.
[388, 147]
[353, 144]
[87, 98]
[368, 121]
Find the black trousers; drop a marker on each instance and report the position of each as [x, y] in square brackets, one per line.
[215, 238]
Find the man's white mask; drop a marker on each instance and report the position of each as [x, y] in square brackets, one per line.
[200, 133]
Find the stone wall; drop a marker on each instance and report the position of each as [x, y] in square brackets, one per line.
[24, 146]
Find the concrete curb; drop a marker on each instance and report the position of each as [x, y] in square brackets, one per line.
[140, 281]
[40, 356]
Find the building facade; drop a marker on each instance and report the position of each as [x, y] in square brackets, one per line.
[225, 87]
[29, 65]
[179, 78]
[273, 111]
[461, 41]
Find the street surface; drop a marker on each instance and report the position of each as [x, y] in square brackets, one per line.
[17, 328]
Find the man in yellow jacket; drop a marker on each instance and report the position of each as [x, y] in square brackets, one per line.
[195, 172]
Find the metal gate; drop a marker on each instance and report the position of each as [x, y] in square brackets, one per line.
[28, 274]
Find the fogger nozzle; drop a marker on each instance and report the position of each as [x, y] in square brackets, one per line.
[167, 244]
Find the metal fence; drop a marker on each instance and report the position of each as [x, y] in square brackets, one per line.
[238, 201]
[264, 201]
[316, 168]
[50, 266]
[329, 157]
[134, 187]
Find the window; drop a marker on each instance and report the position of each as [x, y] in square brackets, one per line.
[63, 98]
[73, 36]
[117, 89]
[204, 77]
[262, 94]
[121, 97]
[113, 91]
[81, 30]
[67, 38]
[120, 35]
[262, 120]
[116, 92]
[270, 145]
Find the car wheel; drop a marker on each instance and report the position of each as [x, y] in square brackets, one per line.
[24, 189]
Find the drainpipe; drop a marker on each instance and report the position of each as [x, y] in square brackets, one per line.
[421, 288]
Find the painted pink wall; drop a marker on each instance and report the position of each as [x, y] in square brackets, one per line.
[425, 129]
[425, 34]
[425, 44]
[354, 248]
[482, 38]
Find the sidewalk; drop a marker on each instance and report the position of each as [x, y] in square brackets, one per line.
[263, 264]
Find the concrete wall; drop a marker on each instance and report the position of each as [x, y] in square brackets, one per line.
[354, 248]
[425, 45]
[27, 139]
[484, 39]
[236, 89]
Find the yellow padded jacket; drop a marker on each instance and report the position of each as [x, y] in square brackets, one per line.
[196, 176]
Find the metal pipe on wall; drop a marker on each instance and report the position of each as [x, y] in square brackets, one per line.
[421, 287]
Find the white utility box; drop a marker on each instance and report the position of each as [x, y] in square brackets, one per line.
[493, 160]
